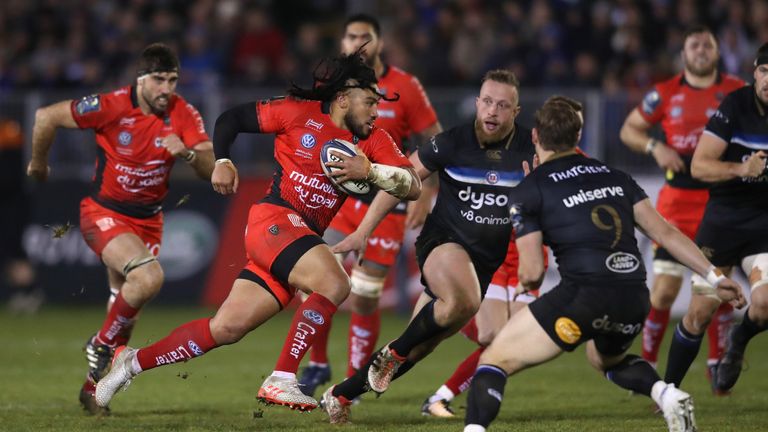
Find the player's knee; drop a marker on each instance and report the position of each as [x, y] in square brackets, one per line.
[462, 308]
[486, 336]
[225, 333]
[334, 287]
[367, 290]
[663, 298]
[147, 277]
[697, 320]
[759, 301]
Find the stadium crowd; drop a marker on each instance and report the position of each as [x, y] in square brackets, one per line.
[615, 45]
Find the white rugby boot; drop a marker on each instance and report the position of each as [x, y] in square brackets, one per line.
[383, 369]
[119, 377]
[286, 392]
[676, 405]
[337, 410]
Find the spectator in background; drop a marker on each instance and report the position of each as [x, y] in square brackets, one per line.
[259, 47]
[16, 271]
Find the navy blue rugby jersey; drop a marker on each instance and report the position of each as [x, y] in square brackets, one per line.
[475, 181]
[585, 211]
[742, 122]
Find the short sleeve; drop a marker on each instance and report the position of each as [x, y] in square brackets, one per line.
[193, 128]
[273, 114]
[721, 122]
[436, 153]
[419, 112]
[382, 149]
[634, 191]
[95, 111]
[652, 106]
[525, 207]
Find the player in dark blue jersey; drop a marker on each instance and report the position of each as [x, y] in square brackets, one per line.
[586, 212]
[464, 239]
[732, 155]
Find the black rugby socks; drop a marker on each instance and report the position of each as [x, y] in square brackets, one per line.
[685, 346]
[485, 395]
[633, 373]
[421, 329]
[742, 333]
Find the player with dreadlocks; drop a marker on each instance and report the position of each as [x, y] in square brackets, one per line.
[283, 239]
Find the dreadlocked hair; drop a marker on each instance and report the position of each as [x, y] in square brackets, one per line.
[336, 74]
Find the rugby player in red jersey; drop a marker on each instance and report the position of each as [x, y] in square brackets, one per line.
[283, 237]
[140, 131]
[682, 105]
[412, 114]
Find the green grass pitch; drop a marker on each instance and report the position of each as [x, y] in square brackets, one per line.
[42, 367]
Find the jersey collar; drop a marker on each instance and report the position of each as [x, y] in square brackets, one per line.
[684, 82]
[561, 155]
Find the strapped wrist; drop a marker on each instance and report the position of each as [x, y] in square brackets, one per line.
[393, 180]
[190, 156]
[650, 145]
[714, 276]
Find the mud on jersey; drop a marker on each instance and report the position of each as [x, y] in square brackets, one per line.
[475, 182]
[132, 167]
[301, 128]
[585, 211]
[683, 111]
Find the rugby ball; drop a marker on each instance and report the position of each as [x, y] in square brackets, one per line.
[328, 153]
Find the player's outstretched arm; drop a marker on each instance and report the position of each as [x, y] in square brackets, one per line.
[47, 120]
[685, 251]
[380, 206]
[708, 167]
[530, 268]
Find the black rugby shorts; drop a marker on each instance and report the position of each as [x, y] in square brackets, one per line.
[612, 315]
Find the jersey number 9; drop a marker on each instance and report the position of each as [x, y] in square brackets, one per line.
[613, 225]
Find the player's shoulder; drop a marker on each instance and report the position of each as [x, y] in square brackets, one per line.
[670, 85]
[742, 96]
[110, 102]
[123, 97]
[731, 82]
[399, 77]
[523, 133]
[456, 135]
[395, 73]
[379, 135]
[290, 108]
[181, 105]
[459, 132]
[659, 93]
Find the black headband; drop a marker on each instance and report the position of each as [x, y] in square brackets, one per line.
[761, 59]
